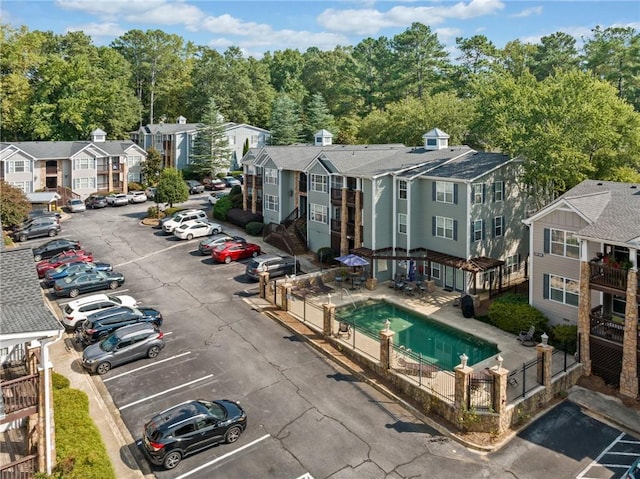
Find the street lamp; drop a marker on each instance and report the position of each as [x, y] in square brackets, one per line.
[463, 360]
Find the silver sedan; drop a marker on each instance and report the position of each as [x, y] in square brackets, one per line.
[197, 229]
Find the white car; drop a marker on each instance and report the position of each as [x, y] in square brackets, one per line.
[76, 205]
[119, 199]
[137, 196]
[76, 312]
[197, 229]
[150, 192]
[215, 196]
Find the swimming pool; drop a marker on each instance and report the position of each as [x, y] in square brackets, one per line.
[436, 342]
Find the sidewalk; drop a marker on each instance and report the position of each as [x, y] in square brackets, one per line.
[105, 415]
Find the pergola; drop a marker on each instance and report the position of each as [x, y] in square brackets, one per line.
[474, 266]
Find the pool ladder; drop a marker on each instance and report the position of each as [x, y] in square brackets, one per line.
[350, 297]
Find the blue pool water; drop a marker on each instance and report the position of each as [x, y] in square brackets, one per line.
[435, 341]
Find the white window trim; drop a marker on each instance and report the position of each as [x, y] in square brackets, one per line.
[270, 176]
[442, 222]
[564, 244]
[402, 189]
[477, 189]
[442, 192]
[498, 191]
[319, 181]
[495, 226]
[318, 213]
[271, 203]
[564, 290]
[477, 230]
[402, 223]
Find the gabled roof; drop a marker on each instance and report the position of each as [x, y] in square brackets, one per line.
[62, 150]
[22, 308]
[611, 209]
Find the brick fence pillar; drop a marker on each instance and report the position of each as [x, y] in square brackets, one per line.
[544, 370]
[328, 311]
[629, 373]
[386, 340]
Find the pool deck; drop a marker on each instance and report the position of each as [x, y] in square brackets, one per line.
[439, 306]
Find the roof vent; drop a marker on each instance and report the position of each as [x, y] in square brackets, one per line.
[599, 184]
[633, 187]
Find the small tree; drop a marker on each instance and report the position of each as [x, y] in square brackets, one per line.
[151, 167]
[211, 147]
[171, 187]
[14, 205]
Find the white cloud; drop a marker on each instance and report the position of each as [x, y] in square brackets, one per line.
[527, 12]
[371, 21]
[99, 30]
[448, 35]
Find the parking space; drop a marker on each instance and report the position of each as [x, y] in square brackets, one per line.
[614, 460]
[306, 416]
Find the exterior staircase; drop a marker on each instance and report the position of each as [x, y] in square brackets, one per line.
[289, 236]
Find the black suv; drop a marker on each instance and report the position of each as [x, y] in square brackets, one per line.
[190, 427]
[53, 247]
[102, 323]
[194, 186]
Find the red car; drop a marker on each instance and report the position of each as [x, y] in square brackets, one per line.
[63, 258]
[233, 250]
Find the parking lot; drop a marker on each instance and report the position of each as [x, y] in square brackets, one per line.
[307, 417]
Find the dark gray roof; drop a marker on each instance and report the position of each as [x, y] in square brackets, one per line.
[21, 300]
[612, 208]
[66, 149]
[469, 166]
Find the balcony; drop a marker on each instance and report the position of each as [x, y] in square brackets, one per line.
[302, 186]
[19, 398]
[51, 170]
[102, 167]
[607, 278]
[607, 328]
[336, 196]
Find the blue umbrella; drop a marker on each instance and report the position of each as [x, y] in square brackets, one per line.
[352, 260]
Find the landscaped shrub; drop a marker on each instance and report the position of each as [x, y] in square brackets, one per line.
[510, 313]
[58, 381]
[254, 228]
[326, 255]
[172, 210]
[240, 217]
[235, 195]
[221, 208]
[565, 336]
[135, 186]
[152, 212]
[80, 450]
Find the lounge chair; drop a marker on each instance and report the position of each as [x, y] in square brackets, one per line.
[321, 286]
[527, 336]
[344, 329]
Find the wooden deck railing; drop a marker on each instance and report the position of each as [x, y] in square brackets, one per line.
[604, 275]
[20, 395]
[606, 327]
[24, 468]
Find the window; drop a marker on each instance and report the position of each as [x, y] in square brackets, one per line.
[563, 243]
[337, 182]
[444, 227]
[254, 140]
[402, 189]
[26, 186]
[318, 213]
[402, 223]
[271, 202]
[232, 139]
[432, 142]
[134, 177]
[134, 160]
[498, 191]
[84, 164]
[444, 192]
[477, 193]
[498, 226]
[270, 176]
[477, 230]
[563, 290]
[17, 166]
[435, 270]
[513, 264]
[84, 183]
[319, 183]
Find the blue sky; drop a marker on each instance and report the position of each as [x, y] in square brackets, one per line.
[259, 26]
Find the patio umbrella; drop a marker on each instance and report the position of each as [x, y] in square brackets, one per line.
[352, 260]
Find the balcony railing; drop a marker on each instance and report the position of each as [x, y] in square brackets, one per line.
[19, 397]
[24, 468]
[604, 275]
[606, 327]
[336, 196]
[51, 170]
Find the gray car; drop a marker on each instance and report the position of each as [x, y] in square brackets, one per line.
[36, 227]
[128, 343]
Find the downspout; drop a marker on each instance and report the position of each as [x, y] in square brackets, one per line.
[47, 398]
[394, 226]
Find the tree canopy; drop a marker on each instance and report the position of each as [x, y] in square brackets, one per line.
[171, 187]
[14, 205]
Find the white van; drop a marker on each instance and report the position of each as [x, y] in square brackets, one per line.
[186, 217]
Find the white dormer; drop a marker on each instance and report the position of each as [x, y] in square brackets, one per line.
[322, 138]
[98, 136]
[181, 120]
[435, 140]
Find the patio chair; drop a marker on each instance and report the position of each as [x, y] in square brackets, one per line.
[527, 336]
[344, 329]
[409, 288]
[321, 286]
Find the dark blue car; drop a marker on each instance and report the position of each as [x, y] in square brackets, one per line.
[68, 269]
[72, 286]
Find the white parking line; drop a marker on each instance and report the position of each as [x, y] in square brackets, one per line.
[224, 456]
[146, 366]
[595, 462]
[164, 392]
[149, 255]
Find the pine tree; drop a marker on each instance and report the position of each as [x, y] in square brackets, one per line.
[210, 152]
[286, 126]
[319, 117]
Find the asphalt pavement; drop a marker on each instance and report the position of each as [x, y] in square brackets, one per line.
[120, 444]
